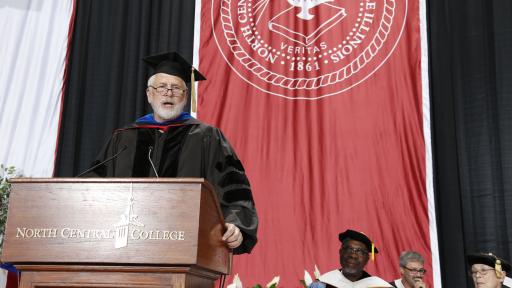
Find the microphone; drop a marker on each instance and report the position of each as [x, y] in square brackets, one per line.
[103, 162]
[151, 161]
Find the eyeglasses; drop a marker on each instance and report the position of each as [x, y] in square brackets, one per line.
[175, 90]
[357, 251]
[417, 271]
[482, 272]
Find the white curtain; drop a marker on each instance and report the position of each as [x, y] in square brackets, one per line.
[33, 43]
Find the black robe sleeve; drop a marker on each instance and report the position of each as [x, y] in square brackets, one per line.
[115, 158]
[98, 167]
[225, 171]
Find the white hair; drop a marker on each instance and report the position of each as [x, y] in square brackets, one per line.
[151, 80]
[410, 256]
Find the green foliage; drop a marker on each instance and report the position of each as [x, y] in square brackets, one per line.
[5, 188]
[274, 285]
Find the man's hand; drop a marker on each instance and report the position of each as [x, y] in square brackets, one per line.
[420, 284]
[233, 237]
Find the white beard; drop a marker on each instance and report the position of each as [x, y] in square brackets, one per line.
[169, 113]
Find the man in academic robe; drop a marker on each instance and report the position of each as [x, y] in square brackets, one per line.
[488, 270]
[171, 143]
[412, 271]
[354, 254]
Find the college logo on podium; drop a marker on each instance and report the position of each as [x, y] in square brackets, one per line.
[307, 49]
[122, 227]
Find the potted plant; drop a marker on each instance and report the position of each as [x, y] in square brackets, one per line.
[5, 174]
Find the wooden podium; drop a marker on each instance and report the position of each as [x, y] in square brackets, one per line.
[115, 232]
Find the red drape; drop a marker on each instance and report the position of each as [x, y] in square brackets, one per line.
[326, 114]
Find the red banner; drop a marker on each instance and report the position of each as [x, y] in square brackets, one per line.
[323, 102]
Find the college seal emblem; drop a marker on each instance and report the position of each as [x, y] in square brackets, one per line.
[307, 49]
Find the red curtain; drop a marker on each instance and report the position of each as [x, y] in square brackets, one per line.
[325, 107]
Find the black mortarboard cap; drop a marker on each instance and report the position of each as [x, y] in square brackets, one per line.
[174, 64]
[490, 260]
[358, 236]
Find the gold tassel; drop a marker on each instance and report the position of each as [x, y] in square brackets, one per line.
[193, 103]
[373, 252]
[497, 267]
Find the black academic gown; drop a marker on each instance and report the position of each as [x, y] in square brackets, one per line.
[187, 149]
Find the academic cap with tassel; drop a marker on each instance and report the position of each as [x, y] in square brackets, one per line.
[361, 237]
[174, 64]
[490, 260]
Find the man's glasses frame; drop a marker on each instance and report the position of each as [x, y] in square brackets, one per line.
[483, 272]
[175, 90]
[421, 271]
[352, 250]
